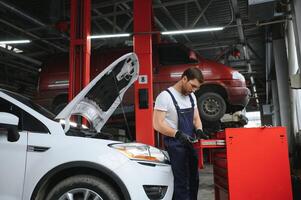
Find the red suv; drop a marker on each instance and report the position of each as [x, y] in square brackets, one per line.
[224, 89]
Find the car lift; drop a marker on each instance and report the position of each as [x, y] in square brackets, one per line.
[80, 46]
[249, 163]
[144, 86]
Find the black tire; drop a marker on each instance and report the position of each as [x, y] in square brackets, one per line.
[58, 108]
[212, 106]
[80, 184]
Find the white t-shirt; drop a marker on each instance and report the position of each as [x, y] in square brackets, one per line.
[164, 103]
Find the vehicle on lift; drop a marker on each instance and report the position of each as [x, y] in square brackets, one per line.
[224, 90]
[43, 159]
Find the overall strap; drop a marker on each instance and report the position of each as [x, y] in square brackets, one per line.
[191, 100]
[174, 100]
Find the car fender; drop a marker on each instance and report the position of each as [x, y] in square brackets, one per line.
[51, 175]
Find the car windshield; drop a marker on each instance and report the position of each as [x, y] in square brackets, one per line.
[176, 55]
[30, 104]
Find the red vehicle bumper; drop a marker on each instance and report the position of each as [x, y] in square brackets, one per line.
[238, 96]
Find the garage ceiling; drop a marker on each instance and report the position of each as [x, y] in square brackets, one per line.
[37, 20]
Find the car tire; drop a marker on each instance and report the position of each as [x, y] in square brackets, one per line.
[58, 108]
[212, 106]
[81, 185]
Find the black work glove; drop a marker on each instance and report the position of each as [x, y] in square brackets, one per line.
[183, 138]
[201, 135]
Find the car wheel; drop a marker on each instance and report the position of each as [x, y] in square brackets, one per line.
[212, 106]
[58, 108]
[83, 187]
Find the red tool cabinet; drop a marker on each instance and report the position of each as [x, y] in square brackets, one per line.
[253, 165]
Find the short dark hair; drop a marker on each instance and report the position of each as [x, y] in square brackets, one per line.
[193, 73]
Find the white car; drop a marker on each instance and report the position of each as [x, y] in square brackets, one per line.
[43, 159]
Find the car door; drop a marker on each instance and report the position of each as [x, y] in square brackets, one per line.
[12, 157]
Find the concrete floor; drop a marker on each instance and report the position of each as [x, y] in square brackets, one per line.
[206, 187]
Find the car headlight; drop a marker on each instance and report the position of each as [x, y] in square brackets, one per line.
[237, 75]
[142, 152]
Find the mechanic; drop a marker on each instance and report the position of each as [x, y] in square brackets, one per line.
[176, 117]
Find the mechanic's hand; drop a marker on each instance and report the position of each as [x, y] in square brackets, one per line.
[201, 135]
[183, 138]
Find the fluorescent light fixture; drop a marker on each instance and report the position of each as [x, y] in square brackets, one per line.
[192, 31]
[9, 47]
[109, 36]
[163, 33]
[15, 42]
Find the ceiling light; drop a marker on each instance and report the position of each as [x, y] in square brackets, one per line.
[15, 42]
[192, 31]
[10, 48]
[163, 33]
[109, 36]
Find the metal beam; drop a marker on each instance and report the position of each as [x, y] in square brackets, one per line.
[143, 49]
[15, 10]
[111, 14]
[222, 42]
[157, 21]
[28, 17]
[130, 15]
[243, 62]
[205, 19]
[243, 42]
[98, 26]
[24, 66]
[186, 15]
[282, 74]
[172, 3]
[169, 3]
[268, 64]
[107, 4]
[113, 24]
[167, 13]
[218, 46]
[106, 19]
[80, 46]
[195, 21]
[296, 7]
[122, 12]
[32, 35]
[31, 60]
[254, 52]
[17, 68]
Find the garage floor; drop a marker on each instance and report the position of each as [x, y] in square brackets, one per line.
[206, 187]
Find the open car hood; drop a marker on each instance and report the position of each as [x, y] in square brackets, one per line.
[98, 100]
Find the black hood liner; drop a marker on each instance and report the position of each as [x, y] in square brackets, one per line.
[106, 91]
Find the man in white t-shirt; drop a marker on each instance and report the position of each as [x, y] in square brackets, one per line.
[176, 117]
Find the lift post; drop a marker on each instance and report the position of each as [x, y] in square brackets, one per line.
[80, 46]
[144, 85]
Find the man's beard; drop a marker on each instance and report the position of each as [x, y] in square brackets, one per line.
[184, 91]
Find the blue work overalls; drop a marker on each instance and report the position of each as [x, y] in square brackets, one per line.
[183, 158]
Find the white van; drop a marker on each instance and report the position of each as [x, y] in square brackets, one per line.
[43, 159]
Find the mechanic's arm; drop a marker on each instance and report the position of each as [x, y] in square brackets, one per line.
[160, 124]
[197, 120]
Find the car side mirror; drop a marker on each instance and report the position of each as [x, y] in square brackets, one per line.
[9, 124]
